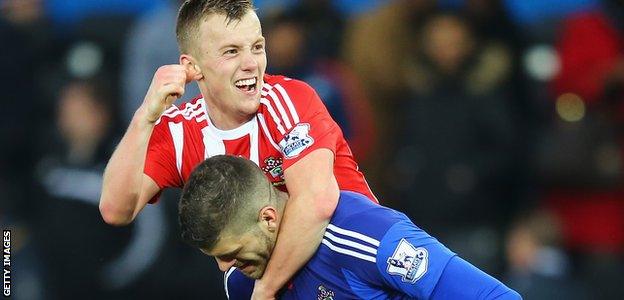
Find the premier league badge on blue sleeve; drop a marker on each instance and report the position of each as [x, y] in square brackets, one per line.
[408, 262]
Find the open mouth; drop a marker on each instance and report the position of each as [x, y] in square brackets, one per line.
[248, 85]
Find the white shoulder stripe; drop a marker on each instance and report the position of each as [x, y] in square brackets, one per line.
[353, 234]
[349, 243]
[266, 131]
[177, 133]
[226, 276]
[348, 252]
[280, 108]
[188, 112]
[291, 106]
[273, 115]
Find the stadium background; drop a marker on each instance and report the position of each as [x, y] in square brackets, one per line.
[496, 125]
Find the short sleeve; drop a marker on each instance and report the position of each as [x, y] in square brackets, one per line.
[160, 158]
[411, 261]
[313, 128]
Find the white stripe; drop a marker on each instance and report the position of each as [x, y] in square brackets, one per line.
[266, 131]
[177, 133]
[273, 115]
[280, 107]
[188, 112]
[348, 252]
[213, 145]
[291, 106]
[226, 276]
[353, 234]
[349, 243]
[253, 144]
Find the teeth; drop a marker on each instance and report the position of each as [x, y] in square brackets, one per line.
[244, 82]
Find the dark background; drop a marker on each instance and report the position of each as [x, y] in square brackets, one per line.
[497, 126]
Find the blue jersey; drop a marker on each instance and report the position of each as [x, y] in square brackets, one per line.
[374, 252]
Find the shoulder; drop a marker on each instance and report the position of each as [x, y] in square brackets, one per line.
[356, 211]
[193, 110]
[287, 83]
[286, 102]
[288, 90]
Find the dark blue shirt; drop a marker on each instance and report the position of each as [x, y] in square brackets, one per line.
[374, 252]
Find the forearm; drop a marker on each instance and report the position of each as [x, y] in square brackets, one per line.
[301, 232]
[123, 177]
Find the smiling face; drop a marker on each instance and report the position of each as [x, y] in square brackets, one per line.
[232, 59]
[249, 252]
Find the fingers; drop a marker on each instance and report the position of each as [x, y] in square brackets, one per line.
[171, 92]
[166, 87]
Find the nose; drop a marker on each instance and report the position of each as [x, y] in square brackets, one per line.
[225, 265]
[249, 63]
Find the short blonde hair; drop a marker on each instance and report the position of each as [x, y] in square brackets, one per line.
[193, 12]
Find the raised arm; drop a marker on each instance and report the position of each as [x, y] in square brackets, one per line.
[126, 189]
[313, 198]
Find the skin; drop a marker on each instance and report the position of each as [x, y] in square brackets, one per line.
[249, 251]
[224, 55]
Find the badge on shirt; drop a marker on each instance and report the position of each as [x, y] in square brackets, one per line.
[408, 262]
[297, 140]
[324, 293]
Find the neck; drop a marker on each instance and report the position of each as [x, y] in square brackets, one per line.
[281, 200]
[225, 119]
[222, 116]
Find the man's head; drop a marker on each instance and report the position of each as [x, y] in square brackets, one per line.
[222, 47]
[231, 211]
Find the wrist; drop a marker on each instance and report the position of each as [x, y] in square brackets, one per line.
[266, 287]
[142, 117]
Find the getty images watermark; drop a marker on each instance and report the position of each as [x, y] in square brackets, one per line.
[6, 262]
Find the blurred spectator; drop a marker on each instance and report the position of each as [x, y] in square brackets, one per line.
[74, 244]
[379, 66]
[375, 46]
[291, 54]
[582, 153]
[590, 111]
[150, 44]
[538, 266]
[82, 256]
[455, 138]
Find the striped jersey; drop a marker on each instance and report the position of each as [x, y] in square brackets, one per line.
[374, 252]
[290, 123]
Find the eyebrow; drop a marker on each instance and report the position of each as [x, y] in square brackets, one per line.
[261, 39]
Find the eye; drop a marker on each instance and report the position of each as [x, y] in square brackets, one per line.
[230, 52]
[258, 47]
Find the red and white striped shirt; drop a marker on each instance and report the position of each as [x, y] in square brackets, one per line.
[290, 123]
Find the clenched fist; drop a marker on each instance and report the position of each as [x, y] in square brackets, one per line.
[166, 87]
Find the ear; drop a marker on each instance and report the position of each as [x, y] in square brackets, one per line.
[269, 218]
[193, 71]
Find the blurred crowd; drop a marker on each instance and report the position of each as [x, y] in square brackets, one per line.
[496, 125]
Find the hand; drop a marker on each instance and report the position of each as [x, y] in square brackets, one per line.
[261, 292]
[166, 87]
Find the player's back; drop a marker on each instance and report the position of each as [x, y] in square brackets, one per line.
[345, 265]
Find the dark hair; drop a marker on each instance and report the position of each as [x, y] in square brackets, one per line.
[221, 189]
[192, 12]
